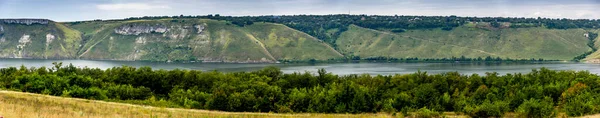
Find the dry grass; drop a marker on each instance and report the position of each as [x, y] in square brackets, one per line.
[28, 105]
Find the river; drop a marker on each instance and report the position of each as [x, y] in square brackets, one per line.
[336, 68]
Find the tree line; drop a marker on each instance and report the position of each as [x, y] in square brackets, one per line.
[539, 93]
[451, 59]
[487, 59]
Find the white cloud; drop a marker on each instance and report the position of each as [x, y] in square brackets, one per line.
[130, 6]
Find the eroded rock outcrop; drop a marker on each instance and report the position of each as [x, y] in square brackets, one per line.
[137, 29]
[49, 38]
[140, 40]
[199, 28]
[25, 39]
[26, 21]
[1, 28]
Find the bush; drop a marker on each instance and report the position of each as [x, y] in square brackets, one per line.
[128, 92]
[534, 108]
[488, 109]
[426, 113]
[88, 93]
[189, 98]
[580, 105]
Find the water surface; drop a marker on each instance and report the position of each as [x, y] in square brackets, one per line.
[336, 68]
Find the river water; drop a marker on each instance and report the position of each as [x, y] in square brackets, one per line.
[336, 68]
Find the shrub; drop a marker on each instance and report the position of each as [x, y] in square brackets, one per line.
[426, 113]
[534, 108]
[488, 109]
[88, 93]
[128, 92]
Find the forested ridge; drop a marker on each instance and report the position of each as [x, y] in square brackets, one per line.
[539, 93]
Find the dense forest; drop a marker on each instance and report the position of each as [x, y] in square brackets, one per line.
[540, 93]
[329, 27]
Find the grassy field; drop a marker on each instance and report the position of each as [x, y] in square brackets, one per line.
[519, 43]
[27, 105]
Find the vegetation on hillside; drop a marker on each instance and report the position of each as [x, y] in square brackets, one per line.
[541, 92]
[302, 38]
[468, 41]
[39, 41]
[216, 41]
[591, 43]
[329, 27]
[422, 36]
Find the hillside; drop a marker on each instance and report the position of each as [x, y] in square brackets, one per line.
[37, 38]
[468, 41]
[265, 39]
[198, 39]
[595, 56]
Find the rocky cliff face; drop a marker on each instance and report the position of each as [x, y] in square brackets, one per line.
[137, 29]
[26, 21]
[199, 28]
[1, 29]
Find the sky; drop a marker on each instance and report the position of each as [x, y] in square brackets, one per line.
[77, 10]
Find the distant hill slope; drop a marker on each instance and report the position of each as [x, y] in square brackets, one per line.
[240, 40]
[468, 41]
[198, 39]
[37, 38]
[595, 56]
[288, 44]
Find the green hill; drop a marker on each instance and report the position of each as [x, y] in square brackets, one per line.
[595, 56]
[198, 39]
[468, 41]
[37, 38]
[293, 38]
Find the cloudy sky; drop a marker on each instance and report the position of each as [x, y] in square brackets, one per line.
[73, 10]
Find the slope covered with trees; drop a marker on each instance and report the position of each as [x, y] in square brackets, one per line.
[540, 93]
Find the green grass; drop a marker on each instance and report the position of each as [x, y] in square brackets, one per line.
[285, 43]
[515, 43]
